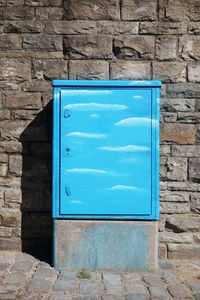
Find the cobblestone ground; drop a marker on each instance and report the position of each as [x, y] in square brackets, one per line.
[24, 277]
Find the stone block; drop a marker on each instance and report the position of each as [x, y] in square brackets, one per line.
[194, 28]
[168, 117]
[24, 26]
[42, 42]
[166, 48]
[49, 13]
[165, 150]
[88, 70]
[65, 286]
[189, 48]
[17, 13]
[134, 47]
[3, 170]
[185, 150]
[4, 114]
[181, 251]
[176, 169]
[194, 72]
[111, 279]
[39, 286]
[13, 130]
[162, 28]
[81, 47]
[129, 70]
[113, 289]
[163, 168]
[179, 238]
[70, 27]
[158, 292]
[134, 288]
[168, 196]
[198, 134]
[177, 105]
[37, 86]
[15, 165]
[90, 288]
[10, 217]
[169, 72]
[183, 90]
[5, 231]
[13, 196]
[15, 69]
[195, 202]
[91, 10]
[194, 169]
[179, 10]
[174, 208]
[104, 252]
[138, 10]
[183, 223]
[162, 251]
[21, 114]
[117, 28]
[43, 3]
[10, 42]
[177, 133]
[161, 223]
[12, 244]
[22, 100]
[49, 69]
[196, 237]
[186, 117]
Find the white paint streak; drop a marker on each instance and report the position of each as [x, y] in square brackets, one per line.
[81, 170]
[123, 187]
[128, 148]
[87, 135]
[93, 106]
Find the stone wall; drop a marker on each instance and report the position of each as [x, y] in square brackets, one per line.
[41, 40]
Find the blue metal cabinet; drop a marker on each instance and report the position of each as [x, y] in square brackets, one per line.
[106, 149]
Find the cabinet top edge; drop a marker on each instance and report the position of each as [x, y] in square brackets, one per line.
[117, 83]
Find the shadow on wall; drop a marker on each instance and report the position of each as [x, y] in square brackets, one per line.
[36, 182]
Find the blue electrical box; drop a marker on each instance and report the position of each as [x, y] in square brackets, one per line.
[106, 149]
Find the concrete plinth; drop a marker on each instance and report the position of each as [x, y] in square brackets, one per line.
[105, 245]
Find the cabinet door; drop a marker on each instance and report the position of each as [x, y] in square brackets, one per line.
[106, 152]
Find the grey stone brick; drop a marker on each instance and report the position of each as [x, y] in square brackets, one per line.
[177, 133]
[134, 47]
[171, 237]
[88, 70]
[194, 28]
[182, 251]
[111, 279]
[81, 47]
[137, 10]
[177, 105]
[20, 26]
[90, 288]
[174, 208]
[65, 286]
[183, 90]
[189, 48]
[194, 168]
[39, 286]
[67, 275]
[195, 202]
[98, 10]
[70, 27]
[158, 292]
[166, 48]
[169, 72]
[137, 297]
[162, 28]
[15, 69]
[178, 291]
[42, 42]
[116, 28]
[8, 292]
[194, 286]
[131, 277]
[49, 13]
[169, 196]
[113, 289]
[134, 288]
[15, 277]
[153, 279]
[129, 70]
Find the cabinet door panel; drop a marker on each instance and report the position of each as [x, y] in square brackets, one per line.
[106, 141]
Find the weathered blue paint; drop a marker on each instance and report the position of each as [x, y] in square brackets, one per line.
[117, 83]
[106, 147]
[119, 247]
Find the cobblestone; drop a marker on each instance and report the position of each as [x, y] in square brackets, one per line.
[22, 277]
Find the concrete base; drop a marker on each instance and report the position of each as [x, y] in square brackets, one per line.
[105, 245]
